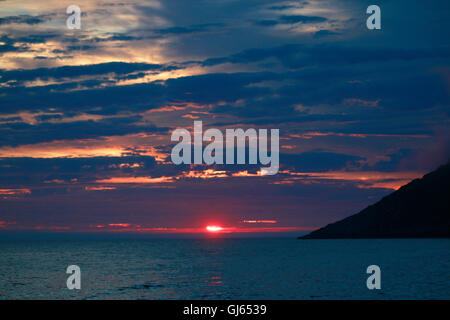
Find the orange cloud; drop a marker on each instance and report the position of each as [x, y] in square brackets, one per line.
[112, 146]
[259, 221]
[190, 116]
[55, 228]
[136, 180]
[130, 228]
[273, 229]
[309, 135]
[119, 225]
[178, 106]
[14, 191]
[364, 179]
[166, 109]
[394, 185]
[245, 173]
[89, 188]
[205, 174]
[57, 181]
[192, 174]
[361, 102]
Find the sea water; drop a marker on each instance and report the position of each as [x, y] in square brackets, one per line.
[225, 269]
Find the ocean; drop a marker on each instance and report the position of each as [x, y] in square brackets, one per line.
[220, 268]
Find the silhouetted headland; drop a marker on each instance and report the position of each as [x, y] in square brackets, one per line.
[419, 209]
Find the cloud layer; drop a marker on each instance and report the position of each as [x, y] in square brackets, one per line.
[86, 115]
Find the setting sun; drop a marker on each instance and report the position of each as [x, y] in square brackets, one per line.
[213, 228]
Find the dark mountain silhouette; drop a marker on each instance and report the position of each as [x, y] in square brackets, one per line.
[419, 209]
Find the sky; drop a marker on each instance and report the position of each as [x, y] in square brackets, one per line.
[86, 115]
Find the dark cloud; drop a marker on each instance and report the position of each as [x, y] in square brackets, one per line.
[191, 29]
[14, 134]
[21, 44]
[266, 23]
[211, 88]
[299, 56]
[373, 96]
[73, 165]
[117, 68]
[282, 7]
[290, 19]
[35, 38]
[325, 33]
[316, 161]
[35, 171]
[110, 100]
[8, 45]
[288, 5]
[392, 82]
[26, 19]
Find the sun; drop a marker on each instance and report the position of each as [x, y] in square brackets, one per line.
[213, 228]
